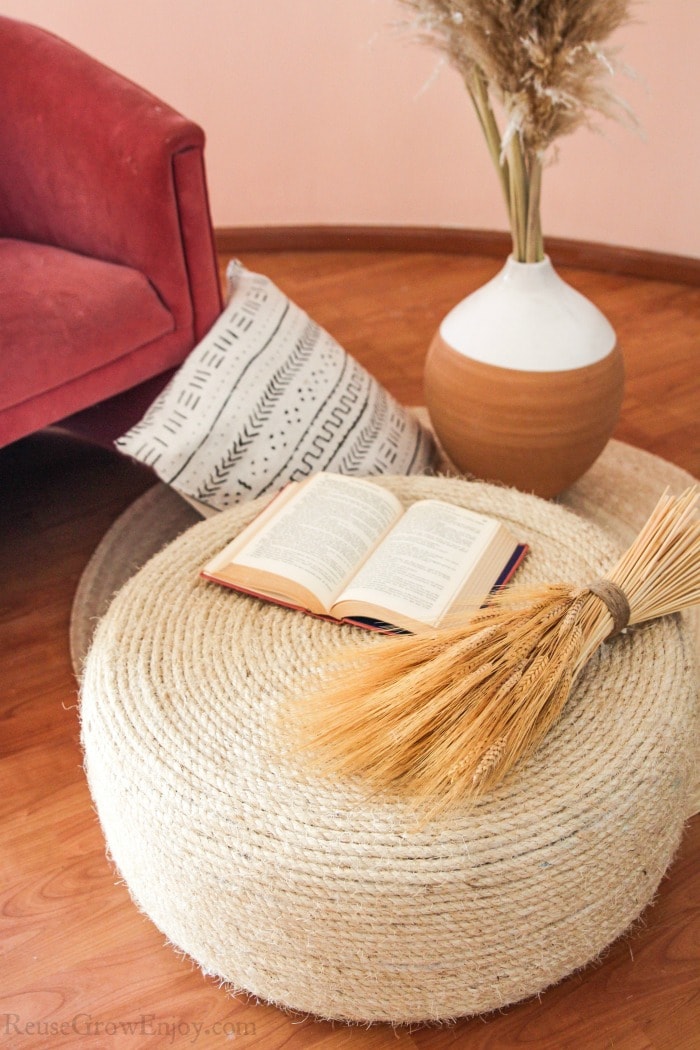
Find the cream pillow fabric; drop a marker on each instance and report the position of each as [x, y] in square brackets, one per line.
[269, 397]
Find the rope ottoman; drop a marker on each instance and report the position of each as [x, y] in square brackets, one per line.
[313, 896]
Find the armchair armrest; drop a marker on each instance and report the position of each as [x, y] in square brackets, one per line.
[94, 164]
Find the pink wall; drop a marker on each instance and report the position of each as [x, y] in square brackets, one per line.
[317, 112]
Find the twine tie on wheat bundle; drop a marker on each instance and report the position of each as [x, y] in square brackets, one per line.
[445, 716]
[615, 601]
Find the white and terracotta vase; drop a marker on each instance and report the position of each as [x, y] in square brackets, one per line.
[524, 381]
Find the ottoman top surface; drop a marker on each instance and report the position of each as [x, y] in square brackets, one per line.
[199, 670]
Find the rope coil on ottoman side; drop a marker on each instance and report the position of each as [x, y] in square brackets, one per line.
[310, 895]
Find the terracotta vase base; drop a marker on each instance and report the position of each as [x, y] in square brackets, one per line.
[535, 431]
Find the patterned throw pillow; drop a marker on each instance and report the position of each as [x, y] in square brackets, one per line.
[269, 397]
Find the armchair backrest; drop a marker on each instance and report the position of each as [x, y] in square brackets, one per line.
[93, 163]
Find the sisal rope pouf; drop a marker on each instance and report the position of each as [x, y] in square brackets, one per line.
[311, 895]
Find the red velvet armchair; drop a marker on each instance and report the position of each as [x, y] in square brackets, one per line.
[108, 273]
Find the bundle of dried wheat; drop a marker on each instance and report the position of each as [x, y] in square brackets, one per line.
[543, 62]
[445, 716]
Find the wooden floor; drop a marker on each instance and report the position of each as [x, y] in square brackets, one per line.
[79, 966]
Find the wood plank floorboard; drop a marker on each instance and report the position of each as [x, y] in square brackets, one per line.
[79, 965]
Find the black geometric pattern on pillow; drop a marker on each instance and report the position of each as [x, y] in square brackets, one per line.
[269, 397]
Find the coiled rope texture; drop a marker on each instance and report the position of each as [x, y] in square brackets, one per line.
[313, 896]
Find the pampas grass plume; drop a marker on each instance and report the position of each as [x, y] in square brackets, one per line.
[545, 66]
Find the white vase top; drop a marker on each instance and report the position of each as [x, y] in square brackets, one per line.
[527, 318]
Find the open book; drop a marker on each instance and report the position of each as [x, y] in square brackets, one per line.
[346, 549]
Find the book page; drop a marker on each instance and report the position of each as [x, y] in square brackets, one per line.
[421, 565]
[321, 536]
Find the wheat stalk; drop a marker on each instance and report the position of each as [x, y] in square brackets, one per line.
[445, 716]
[544, 65]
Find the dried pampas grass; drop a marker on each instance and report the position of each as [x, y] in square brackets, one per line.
[543, 62]
[445, 716]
